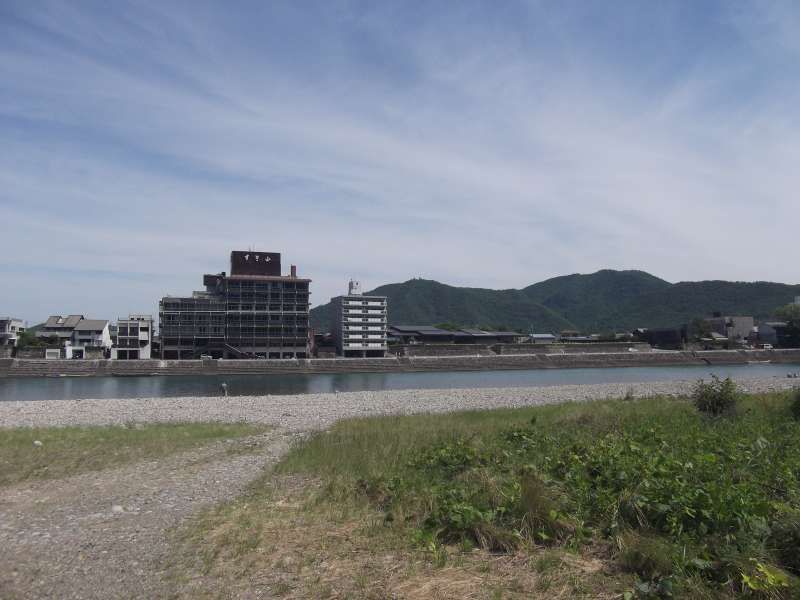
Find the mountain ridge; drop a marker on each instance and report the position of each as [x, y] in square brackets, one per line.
[605, 300]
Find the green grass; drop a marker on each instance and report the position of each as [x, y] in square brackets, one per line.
[67, 451]
[695, 506]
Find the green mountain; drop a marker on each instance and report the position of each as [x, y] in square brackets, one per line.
[426, 302]
[603, 301]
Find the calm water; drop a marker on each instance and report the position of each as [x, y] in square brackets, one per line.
[59, 388]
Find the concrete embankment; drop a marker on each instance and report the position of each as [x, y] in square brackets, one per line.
[54, 368]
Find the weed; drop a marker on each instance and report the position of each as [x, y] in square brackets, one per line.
[648, 556]
[691, 504]
[717, 398]
[795, 405]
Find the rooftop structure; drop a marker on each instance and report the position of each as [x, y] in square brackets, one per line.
[255, 312]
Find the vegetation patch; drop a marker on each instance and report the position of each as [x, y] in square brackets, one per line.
[693, 507]
[285, 538]
[53, 452]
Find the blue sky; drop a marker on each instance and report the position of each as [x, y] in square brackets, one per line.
[489, 144]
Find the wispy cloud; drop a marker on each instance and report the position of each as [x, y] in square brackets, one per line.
[484, 145]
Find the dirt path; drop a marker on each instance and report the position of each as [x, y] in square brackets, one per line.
[104, 534]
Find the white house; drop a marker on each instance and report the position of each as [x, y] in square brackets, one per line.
[77, 334]
[134, 338]
[10, 328]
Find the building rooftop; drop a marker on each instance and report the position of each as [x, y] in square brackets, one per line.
[68, 322]
[91, 325]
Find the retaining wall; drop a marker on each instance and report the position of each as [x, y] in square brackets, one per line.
[52, 368]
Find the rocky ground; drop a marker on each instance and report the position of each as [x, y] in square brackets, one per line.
[305, 412]
[105, 534]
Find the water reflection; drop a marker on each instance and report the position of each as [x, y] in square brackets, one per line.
[19, 388]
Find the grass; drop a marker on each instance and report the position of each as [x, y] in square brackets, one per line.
[64, 451]
[635, 498]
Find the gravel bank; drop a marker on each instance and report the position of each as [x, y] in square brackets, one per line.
[317, 411]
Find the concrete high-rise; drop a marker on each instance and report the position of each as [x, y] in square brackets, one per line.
[255, 312]
[359, 323]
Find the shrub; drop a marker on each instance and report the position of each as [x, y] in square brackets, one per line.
[716, 398]
[784, 539]
[795, 406]
[649, 557]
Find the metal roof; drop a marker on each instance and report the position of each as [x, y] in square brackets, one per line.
[422, 329]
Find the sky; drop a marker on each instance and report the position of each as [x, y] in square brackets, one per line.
[485, 144]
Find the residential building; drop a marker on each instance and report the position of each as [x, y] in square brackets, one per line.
[77, 335]
[60, 328]
[542, 338]
[255, 312]
[10, 328]
[134, 338]
[359, 323]
[734, 328]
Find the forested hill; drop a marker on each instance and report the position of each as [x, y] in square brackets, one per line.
[603, 301]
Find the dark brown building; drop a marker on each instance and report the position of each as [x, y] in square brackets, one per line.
[255, 312]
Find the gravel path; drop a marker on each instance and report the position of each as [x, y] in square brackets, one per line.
[305, 412]
[105, 534]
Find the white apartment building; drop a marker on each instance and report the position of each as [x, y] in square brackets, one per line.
[360, 323]
[10, 328]
[134, 338]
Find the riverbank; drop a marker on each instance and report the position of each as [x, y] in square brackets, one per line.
[75, 368]
[308, 412]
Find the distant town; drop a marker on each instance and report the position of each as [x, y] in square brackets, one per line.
[258, 312]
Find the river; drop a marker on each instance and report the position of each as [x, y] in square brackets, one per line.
[69, 388]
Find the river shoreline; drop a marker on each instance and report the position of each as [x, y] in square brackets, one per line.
[308, 412]
[138, 368]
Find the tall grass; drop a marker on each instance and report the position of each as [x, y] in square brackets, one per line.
[717, 499]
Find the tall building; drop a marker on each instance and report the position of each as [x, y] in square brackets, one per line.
[134, 338]
[255, 312]
[359, 323]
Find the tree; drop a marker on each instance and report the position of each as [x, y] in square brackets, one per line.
[698, 329]
[28, 339]
[791, 314]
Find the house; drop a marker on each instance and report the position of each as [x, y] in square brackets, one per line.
[10, 328]
[134, 338]
[542, 338]
[77, 335]
[59, 327]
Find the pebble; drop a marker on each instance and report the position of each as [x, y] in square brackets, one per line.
[304, 412]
